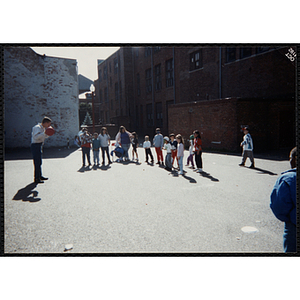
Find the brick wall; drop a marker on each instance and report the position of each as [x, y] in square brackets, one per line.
[271, 122]
[36, 86]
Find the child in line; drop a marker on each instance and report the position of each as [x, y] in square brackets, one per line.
[173, 144]
[198, 151]
[191, 156]
[135, 144]
[146, 146]
[96, 149]
[85, 140]
[119, 152]
[168, 147]
[180, 150]
[247, 145]
[158, 143]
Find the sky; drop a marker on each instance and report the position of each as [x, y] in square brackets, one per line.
[86, 57]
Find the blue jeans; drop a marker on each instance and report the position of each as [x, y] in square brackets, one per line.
[180, 163]
[86, 152]
[126, 148]
[36, 150]
[289, 237]
[96, 157]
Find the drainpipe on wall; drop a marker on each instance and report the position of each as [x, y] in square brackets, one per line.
[174, 91]
[220, 72]
[152, 85]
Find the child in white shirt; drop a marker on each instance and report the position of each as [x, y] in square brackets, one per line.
[146, 146]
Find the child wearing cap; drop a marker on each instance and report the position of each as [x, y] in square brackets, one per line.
[158, 143]
[168, 147]
[191, 156]
[247, 145]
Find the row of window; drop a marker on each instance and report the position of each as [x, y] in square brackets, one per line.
[157, 77]
[116, 69]
[232, 53]
[118, 94]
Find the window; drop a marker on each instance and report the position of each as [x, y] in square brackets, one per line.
[101, 98]
[110, 81]
[105, 72]
[196, 60]
[149, 115]
[100, 75]
[116, 65]
[109, 67]
[106, 94]
[138, 84]
[262, 49]
[111, 105]
[230, 54]
[158, 77]
[148, 81]
[120, 90]
[147, 51]
[245, 52]
[137, 52]
[169, 72]
[116, 91]
[159, 115]
[157, 49]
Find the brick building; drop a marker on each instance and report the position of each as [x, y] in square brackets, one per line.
[157, 86]
[36, 86]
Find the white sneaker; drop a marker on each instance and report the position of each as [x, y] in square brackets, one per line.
[199, 170]
[195, 170]
[180, 173]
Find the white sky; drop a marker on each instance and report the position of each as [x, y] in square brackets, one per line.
[86, 57]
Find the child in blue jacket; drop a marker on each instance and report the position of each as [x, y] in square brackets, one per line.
[283, 203]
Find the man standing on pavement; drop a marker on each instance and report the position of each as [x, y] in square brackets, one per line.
[158, 143]
[283, 203]
[38, 137]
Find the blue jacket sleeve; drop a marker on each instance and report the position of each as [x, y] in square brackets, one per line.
[281, 201]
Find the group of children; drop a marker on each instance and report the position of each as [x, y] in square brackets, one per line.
[87, 142]
[174, 145]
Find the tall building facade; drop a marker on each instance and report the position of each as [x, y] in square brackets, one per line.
[137, 86]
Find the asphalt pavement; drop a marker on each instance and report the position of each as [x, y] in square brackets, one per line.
[135, 207]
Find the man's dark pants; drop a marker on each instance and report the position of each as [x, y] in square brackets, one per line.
[36, 150]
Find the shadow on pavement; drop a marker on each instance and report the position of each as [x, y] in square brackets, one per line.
[24, 193]
[25, 153]
[84, 169]
[192, 180]
[207, 175]
[103, 167]
[262, 171]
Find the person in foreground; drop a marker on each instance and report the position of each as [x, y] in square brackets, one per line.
[38, 137]
[283, 203]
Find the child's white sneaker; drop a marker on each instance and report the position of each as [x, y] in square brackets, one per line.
[180, 173]
[196, 170]
[199, 170]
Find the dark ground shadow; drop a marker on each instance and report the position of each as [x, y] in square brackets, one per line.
[24, 193]
[25, 153]
[207, 175]
[176, 174]
[84, 169]
[262, 171]
[150, 164]
[103, 167]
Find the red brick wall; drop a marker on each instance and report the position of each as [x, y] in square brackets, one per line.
[271, 122]
[216, 121]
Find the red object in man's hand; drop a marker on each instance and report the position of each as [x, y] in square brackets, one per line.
[50, 131]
